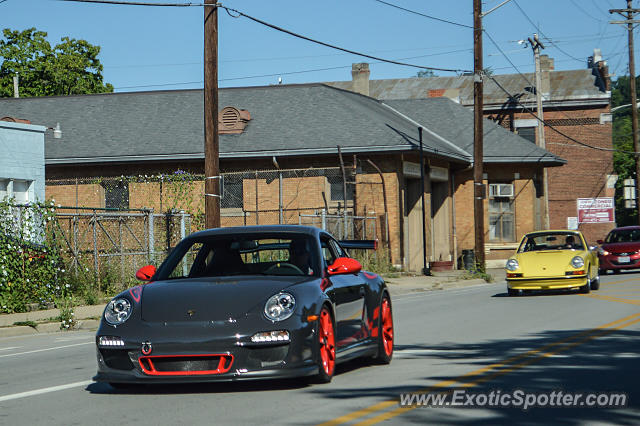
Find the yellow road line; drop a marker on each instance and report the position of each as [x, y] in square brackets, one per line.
[636, 279]
[402, 410]
[613, 299]
[385, 404]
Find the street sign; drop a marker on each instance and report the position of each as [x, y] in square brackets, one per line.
[596, 210]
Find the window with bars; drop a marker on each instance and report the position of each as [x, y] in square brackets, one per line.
[337, 189]
[529, 133]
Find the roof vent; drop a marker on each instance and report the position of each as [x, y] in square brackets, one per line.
[232, 120]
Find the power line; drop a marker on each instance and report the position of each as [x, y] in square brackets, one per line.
[544, 123]
[542, 34]
[277, 28]
[585, 12]
[282, 58]
[514, 98]
[137, 3]
[269, 75]
[426, 16]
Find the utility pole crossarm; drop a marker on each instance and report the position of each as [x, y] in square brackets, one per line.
[624, 11]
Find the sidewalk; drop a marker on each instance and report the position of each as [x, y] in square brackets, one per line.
[88, 317]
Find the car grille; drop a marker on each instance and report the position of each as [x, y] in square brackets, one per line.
[177, 365]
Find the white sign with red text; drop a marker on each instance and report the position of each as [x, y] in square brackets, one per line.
[596, 210]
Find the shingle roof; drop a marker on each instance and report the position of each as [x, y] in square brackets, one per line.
[573, 86]
[285, 120]
[455, 123]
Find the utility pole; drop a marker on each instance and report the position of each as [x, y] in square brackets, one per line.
[629, 13]
[537, 45]
[478, 104]
[211, 145]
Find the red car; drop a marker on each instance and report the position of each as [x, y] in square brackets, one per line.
[620, 250]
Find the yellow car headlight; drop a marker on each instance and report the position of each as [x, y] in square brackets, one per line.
[512, 265]
[577, 262]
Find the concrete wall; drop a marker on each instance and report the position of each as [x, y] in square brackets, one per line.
[22, 155]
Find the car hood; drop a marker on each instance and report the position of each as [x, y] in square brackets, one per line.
[621, 247]
[546, 263]
[209, 299]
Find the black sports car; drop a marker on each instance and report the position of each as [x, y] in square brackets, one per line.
[246, 303]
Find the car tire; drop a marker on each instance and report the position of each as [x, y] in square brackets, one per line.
[595, 283]
[512, 292]
[326, 347]
[602, 272]
[385, 332]
[585, 289]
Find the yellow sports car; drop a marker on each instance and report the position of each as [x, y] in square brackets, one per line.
[553, 260]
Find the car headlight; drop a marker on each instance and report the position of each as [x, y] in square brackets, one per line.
[118, 311]
[512, 265]
[602, 252]
[577, 262]
[280, 306]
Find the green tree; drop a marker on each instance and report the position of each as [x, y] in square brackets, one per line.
[425, 73]
[623, 161]
[68, 68]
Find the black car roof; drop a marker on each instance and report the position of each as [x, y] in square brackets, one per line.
[255, 229]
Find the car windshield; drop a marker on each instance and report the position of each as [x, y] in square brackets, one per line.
[242, 254]
[551, 241]
[623, 236]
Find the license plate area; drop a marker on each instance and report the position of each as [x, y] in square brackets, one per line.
[624, 259]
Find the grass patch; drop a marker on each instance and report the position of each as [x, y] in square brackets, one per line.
[475, 274]
[31, 324]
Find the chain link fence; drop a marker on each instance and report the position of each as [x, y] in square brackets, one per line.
[109, 227]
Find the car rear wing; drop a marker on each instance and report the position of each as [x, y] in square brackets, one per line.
[360, 244]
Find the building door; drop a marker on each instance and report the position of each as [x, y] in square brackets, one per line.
[413, 225]
[441, 221]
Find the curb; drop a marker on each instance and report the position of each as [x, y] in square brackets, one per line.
[46, 328]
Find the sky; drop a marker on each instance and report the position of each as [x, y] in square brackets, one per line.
[161, 48]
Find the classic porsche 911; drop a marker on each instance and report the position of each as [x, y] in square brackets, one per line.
[246, 303]
[552, 260]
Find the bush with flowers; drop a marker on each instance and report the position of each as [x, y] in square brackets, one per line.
[31, 268]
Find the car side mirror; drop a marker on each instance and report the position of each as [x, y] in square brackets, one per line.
[599, 241]
[344, 265]
[145, 273]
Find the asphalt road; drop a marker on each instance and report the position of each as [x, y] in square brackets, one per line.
[476, 339]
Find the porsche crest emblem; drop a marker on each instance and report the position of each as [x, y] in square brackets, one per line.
[191, 312]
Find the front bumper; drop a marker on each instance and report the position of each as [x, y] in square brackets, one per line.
[546, 283]
[197, 355]
[612, 262]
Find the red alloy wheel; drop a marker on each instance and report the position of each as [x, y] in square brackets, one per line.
[387, 327]
[327, 343]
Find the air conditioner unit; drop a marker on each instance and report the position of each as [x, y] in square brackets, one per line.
[500, 190]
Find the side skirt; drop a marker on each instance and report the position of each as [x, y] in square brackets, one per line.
[360, 349]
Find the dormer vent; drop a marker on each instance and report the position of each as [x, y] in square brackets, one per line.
[232, 120]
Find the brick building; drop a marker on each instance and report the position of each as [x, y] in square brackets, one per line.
[279, 157]
[578, 128]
